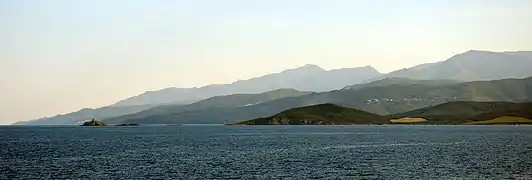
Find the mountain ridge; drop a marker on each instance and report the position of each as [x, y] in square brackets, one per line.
[306, 78]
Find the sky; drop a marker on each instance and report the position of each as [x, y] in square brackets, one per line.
[59, 56]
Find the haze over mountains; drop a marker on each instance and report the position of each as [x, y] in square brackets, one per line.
[305, 78]
[420, 86]
[468, 66]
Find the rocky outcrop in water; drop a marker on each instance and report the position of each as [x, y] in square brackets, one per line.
[94, 123]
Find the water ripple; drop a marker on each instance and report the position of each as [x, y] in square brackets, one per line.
[308, 152]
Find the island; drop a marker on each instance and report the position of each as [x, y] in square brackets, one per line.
[94, 122]
[452, 113]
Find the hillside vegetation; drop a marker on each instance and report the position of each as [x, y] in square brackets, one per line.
[471, 113]
[468, 112]
[323, 114]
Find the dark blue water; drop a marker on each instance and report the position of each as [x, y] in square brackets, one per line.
[267, 152]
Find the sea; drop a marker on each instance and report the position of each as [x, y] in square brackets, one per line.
[266, 152]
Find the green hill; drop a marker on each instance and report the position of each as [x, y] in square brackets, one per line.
[472, 113]
[323, 114]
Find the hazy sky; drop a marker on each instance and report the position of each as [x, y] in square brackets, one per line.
[58, 56]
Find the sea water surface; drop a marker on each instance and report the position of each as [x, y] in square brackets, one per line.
[266, 152]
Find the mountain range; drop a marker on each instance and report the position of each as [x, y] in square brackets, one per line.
[305, 78]
[383, 100]
[440, 80]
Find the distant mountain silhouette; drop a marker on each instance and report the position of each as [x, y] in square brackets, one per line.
[472, 66]
[86, 113]
[305, 78]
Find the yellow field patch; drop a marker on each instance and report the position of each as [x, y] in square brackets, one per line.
[408, 120]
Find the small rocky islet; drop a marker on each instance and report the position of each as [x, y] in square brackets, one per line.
[94, 122]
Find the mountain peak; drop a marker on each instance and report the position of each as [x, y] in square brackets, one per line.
[306, 68]
[371, 68]
[310, 66]
[471, 55]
